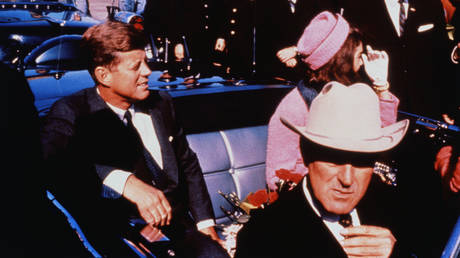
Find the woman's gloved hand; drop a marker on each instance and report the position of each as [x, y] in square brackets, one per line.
[376, 66]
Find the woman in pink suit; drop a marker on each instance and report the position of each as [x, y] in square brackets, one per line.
[332, 50]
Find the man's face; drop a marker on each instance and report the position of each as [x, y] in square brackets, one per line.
[129, 78]
[338, 188]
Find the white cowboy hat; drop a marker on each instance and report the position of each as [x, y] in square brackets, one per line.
[348, 118]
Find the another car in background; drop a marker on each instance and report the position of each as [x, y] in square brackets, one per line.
[26, 24]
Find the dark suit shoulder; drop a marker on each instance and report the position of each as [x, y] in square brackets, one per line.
[287, 228]
[72, 106]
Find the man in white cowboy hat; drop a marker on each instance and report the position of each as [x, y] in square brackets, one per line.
[340, 209]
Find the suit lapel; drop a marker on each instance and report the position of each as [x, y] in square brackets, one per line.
[357, 13]
[312, 227]
[103, 137]
[387, 23]
[167, 152]
[97, 105]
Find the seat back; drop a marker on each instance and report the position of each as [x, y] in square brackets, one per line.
[232, 161]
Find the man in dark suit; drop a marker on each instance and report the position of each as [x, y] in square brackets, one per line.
[340, 209]
[119, 158]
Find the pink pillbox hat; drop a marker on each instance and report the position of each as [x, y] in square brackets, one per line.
[322, 39]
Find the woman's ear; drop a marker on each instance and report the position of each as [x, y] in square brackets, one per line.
[103, 75]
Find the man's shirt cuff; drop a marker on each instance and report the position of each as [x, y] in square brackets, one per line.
[205, 224]
[114, 183]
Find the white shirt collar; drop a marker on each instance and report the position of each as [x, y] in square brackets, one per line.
[330, 220]
[118, 111]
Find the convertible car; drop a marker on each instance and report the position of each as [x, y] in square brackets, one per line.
[225, 122]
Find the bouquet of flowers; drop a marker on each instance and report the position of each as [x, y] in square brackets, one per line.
[254, 200]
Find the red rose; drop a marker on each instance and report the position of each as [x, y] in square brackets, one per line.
[261, 197]
[286, 175]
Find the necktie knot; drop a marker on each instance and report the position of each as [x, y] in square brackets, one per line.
[128, 116]
[345, 220]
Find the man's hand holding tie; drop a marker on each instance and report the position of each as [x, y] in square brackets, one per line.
[153, 206]
[368, 241]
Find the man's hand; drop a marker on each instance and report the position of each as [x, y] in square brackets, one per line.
[179, 52]
[153, 206]
[450, 174]
[210, 231]
[285, 54]
[220, 45]
[442, 160]
[454, 182]
[368, 241]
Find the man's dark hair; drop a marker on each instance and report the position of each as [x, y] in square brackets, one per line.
[102, 42]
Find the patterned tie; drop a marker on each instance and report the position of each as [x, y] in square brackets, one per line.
[345, 220]
[402, 17]
[159, 179]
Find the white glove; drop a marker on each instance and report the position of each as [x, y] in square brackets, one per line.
[285, 54]
[376, 66]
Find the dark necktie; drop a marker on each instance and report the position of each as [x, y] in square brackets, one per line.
[402, 17]
[159, 179]
[345, 220]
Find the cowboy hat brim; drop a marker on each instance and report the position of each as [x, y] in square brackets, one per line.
[391, 136]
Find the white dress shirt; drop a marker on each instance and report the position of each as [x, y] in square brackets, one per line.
[330, 220]
[393, 8]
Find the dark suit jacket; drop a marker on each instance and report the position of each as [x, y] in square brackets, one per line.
[82, 132]
[420, 71]
[290, 228]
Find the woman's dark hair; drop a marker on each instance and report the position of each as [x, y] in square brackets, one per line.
[340, 67]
